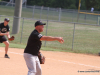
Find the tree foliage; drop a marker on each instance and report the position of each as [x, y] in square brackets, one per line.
[92, 3]
[67, 4]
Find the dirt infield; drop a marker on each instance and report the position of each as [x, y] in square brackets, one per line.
[57, 63]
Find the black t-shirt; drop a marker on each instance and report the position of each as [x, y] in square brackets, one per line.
[3, 28]
[34, 43]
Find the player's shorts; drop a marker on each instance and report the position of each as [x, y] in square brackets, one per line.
[2, 39]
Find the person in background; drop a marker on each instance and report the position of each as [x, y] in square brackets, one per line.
[92, 9]
[4, 31]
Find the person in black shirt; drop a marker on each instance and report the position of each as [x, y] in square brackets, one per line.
[4, 30]
[33, 46]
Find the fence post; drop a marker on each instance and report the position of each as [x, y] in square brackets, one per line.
[78, 16]
[47, 13]
[12, 3]
[98, 19]
[33, 10]
[85, 17]
[46, 32]
[73, 16]
[41, 12]
[59, 14]
[25, 3]
[22, 31]
[73, 37]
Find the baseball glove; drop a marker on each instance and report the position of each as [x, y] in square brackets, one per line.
[41, 58]
[12, 38]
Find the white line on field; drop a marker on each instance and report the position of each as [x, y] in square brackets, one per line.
[12, 52]
[59, 60]
[75, 63]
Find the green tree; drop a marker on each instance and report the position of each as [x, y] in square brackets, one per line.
[54, 3]
[67, 4]
[97, 6]
[92, 3]
[5, 0]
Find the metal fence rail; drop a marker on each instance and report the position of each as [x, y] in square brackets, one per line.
[77, 36]
[58, 14]
[81, 32]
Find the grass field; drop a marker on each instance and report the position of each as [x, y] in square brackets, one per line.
[68, 16]
[86, 39]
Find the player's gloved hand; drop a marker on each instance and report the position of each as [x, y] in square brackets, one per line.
[11, 39]
[41, 58]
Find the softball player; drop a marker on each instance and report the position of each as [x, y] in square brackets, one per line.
[33, 46]
[4, 30]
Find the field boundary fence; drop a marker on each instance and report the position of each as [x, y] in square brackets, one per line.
[56, 14]
[77, 36]
[81, 31]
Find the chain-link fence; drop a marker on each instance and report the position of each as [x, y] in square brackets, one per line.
[55, 14]
[78, 37]
[81, 32]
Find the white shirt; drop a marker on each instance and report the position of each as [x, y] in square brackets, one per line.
[92, 9]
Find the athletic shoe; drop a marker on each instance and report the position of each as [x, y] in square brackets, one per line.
[6, 56]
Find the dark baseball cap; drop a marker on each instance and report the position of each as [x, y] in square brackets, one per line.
[7, 19]
[39, 23]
